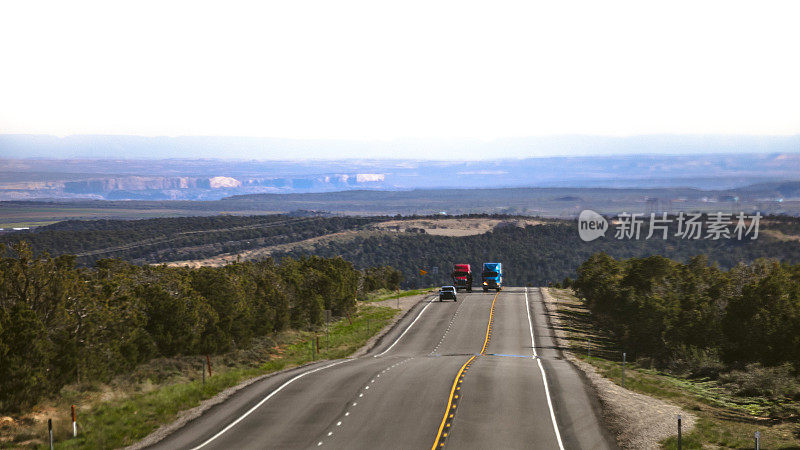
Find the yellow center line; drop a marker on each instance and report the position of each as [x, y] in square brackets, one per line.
[489, 325]
[450, 405]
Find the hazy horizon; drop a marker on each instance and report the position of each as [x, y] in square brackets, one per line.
[365, 70]
[198, 179]
[244, 148]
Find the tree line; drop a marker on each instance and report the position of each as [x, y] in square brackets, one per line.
[695, 313]
[538, 254]
[61, 324]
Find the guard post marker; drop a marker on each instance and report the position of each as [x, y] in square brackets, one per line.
[50, 431]
[455, 391]
[327, 328]
[623, 369]
[74, 423]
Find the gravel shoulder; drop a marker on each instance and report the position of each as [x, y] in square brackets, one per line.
[638, 421]
[404, 305]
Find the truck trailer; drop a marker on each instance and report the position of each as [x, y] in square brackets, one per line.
[462, 277]
[492, 276]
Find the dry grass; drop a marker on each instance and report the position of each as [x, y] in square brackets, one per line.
[264, 252]
[780, 235]
[453, 227]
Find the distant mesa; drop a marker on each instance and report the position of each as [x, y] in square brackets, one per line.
[370, 177]
[155, 187]
[224, 182]
[747, 176]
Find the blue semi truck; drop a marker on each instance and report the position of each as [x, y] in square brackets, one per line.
[492, 276]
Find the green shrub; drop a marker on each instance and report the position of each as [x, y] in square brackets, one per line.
[756, 380]
[696, 363]
[694, 318]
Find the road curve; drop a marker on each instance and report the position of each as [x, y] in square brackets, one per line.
[482, 372]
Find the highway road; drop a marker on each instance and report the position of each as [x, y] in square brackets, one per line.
[482, 372]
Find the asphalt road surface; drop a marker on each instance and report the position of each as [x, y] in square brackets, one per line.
[482, 372]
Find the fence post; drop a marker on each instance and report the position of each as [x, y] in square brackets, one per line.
[327, 328]
[623, 369]
[50, 431]
[203, 369]
[679, 432]
[208, 360]
[74, 423]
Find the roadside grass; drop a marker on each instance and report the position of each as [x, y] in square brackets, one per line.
[724, 420]
[385, 294]
[132, 415]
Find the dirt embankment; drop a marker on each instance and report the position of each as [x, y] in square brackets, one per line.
[781, 236]
[638, 421]
[453, 227]
[263, 252]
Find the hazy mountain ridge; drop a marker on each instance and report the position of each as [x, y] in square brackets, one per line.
[176, 179]
[768, 198]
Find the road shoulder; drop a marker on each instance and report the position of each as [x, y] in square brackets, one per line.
[638, 421]
[406, 304]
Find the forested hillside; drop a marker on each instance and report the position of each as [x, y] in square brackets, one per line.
[60, 324]
[542, 253]
[536, 254]
[169, 239]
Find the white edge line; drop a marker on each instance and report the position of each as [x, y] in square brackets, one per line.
[250, 411]
[406, 330]
[530, 323]
[544, 376]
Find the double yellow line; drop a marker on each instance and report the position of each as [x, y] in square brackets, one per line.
[489, 325]
[450, 410]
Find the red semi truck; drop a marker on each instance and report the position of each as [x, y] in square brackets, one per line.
[462, 277]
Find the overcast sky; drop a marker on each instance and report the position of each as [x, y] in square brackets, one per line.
[404, 69]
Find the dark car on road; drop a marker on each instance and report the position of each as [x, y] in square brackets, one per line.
[447, 293]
